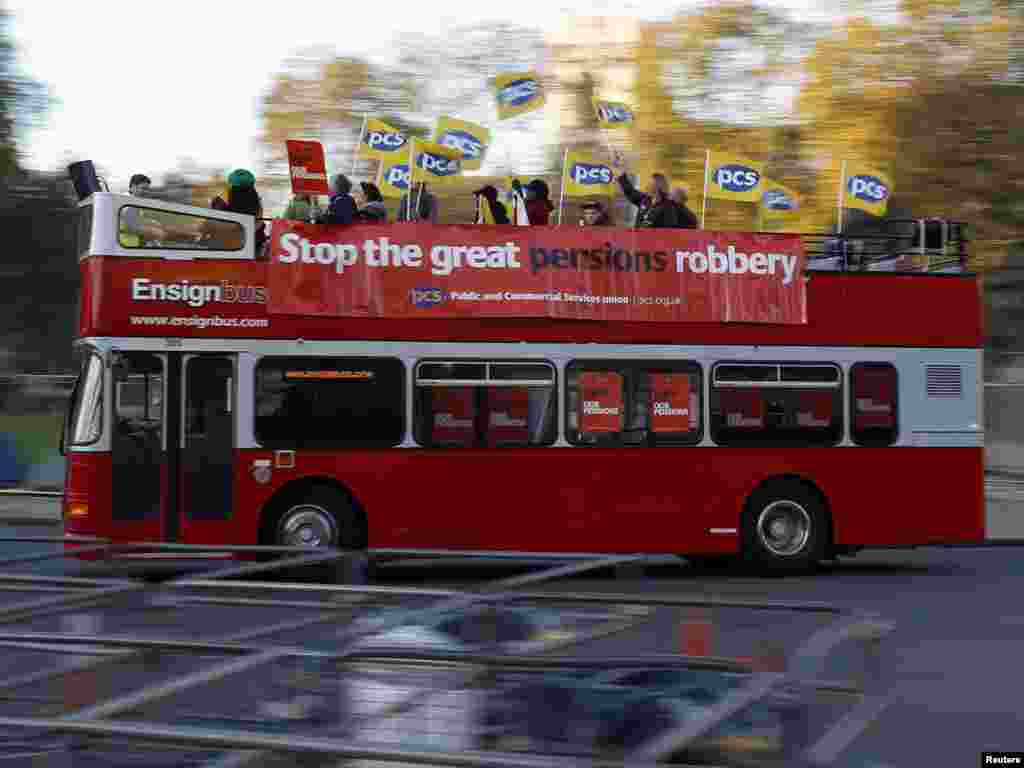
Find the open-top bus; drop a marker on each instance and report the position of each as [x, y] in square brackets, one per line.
[203, 416]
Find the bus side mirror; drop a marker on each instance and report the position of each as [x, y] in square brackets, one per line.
[62, 436]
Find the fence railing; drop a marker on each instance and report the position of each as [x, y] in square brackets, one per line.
[215, 670]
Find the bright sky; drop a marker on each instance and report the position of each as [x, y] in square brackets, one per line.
[142, 84]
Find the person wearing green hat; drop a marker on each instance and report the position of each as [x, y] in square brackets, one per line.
[243, 198]
[240, 177]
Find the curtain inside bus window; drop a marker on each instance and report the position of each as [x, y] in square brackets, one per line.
[508, 416]
[874, 403]
[742, 408]
[453, 416]
[814, 407]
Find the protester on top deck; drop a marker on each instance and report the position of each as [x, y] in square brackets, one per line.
[243, 198]
[655, 208]
[136, 229]
[373, 209]
[496, 212]
[342, 208]
[538, 202]
[300, 208]
[139, 185]
[687, 218]
[426, 208]
[595, 215]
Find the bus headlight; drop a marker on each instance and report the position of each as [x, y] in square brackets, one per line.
[78, 510]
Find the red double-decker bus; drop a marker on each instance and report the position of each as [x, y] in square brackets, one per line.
[220, 404]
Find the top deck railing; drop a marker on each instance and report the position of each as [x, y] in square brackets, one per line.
[190, 232]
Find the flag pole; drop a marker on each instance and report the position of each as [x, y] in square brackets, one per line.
[704, 200]
[561, 186]
[842, 190]
[359, 143]
[408, 203]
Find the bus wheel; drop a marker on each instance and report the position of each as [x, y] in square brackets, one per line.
[784, 528]
[321, 517]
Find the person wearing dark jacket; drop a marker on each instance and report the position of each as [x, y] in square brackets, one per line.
[595, 215]
[687, 218]
[419, 197]
[655, 209]
[373, 209]
[342, 208]
[243, 198]
[489, 196]
[538, 202]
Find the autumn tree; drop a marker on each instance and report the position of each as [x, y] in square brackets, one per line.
[324, 96]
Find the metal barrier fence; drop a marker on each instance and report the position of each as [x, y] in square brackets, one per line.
[218, 670]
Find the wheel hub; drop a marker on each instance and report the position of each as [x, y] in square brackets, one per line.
[784, 528]
[307, 525]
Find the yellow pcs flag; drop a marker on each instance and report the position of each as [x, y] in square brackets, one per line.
[393, 177]
[471, 140]
[612, 114]
[733, 177]
[518, 93]
[433, 162]
[866, 189]
[778, 201]
[381, 140]
[585, 175]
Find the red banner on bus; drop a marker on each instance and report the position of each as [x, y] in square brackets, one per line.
[600, 401]
[578, 273]
[307, 166]
[670, 403]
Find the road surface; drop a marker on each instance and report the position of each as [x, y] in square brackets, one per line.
[953, 664]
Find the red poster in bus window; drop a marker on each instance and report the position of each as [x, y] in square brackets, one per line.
[454, 412]
[600, 408]
[742, 408]
[307, 167]
[508, 418]
[814, 408]
[874, 394]
[670, 402]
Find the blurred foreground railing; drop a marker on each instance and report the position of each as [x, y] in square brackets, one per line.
[213, 670]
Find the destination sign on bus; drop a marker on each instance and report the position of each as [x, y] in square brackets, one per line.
[330, 375]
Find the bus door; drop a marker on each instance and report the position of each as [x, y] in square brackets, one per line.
[206, 466]
[140, 458]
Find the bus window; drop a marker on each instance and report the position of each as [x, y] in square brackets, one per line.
[484, 404]
[873, 403]
[329, 402]
[798, 404]
[633, 403]
[85, 424]
[143, 228]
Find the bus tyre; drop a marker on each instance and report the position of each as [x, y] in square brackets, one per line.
[784, 528]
